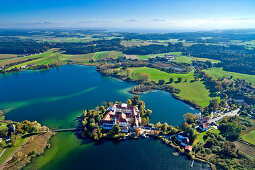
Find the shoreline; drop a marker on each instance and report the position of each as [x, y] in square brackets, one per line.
[186, 101]
[32, 148]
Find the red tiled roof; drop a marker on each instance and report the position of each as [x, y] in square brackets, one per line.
[204, 125]
[188, 147]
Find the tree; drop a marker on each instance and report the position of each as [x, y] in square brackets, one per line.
[189, 118]
[179, 79]
[184, 126]
[84, 113]
[13, 139]
[4, 132]
[231, 131]
[115, 129]
[161, 82]
[102, 109]
[129, 102]
[135, 100]
[171, 80]
[145, 121]
[137, 131]
[2, 144]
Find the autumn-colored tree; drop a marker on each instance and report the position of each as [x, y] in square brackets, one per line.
[144, 121]
[184, 126]
[129, 102]
[137, 131]
[189, 118]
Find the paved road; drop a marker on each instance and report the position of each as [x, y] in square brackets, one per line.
[233, 113]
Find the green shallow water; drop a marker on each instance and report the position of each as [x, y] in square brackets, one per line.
[57, 96]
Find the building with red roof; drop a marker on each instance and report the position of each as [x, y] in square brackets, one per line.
[125, 116]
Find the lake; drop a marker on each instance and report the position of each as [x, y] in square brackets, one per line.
[57, 96]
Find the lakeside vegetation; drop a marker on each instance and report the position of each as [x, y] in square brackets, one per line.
[21, 141]
[189, 89]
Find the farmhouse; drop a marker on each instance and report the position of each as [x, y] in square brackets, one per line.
[204, 126]
[169, 57]
[127, 117]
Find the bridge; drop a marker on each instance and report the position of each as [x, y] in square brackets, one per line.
[66, 130]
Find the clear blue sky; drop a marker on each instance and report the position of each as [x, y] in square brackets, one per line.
[175, 14]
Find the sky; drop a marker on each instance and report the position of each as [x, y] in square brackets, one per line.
[128, 14]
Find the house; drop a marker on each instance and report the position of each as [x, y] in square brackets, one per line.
[183, 138]
[127, 117]
[22, 67]
[1, 139]
[188, 148]
[169, 57]
[204, 126]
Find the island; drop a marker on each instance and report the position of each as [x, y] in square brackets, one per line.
[200, 138]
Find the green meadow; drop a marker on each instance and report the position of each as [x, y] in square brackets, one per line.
[219, 73]
[190, 90]
[250, 137]
[178, 55]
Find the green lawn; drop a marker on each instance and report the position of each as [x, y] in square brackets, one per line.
[219, 73]
[183, 59]
[193, 91]
[201, 135]
[250, 137]
[11, 150]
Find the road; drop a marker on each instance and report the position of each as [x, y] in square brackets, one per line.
[232, 113]
[5, 148]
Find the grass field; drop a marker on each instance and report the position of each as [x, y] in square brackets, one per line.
[201, 135]
[107, 54]
[206, 59]
[52, 56]
[219, 73]
[178, 55]
[193, 91]
[250, 137]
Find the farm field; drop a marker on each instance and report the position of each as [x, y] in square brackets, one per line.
[107, 54]
[52, 56]
[206, 59]
[219, 73]
[7, 56]
[138, 43]
[178, 55]
[250, 137]
[190, 90]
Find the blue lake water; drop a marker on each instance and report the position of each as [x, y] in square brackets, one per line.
[57, 96]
